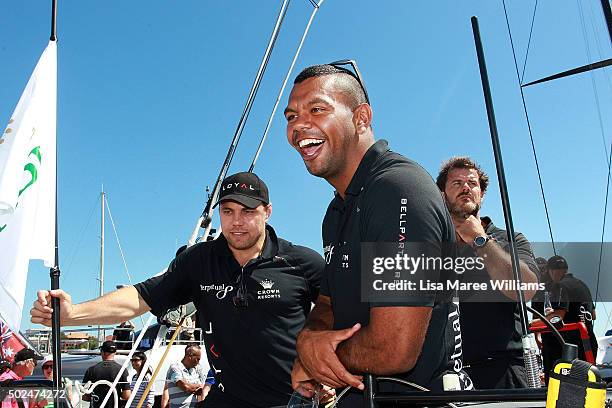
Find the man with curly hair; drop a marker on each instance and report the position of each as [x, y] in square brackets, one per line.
[491, 331]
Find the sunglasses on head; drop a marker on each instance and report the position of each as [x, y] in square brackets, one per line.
[240, 299]
[354, 73]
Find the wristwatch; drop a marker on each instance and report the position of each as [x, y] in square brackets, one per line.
[481, 241]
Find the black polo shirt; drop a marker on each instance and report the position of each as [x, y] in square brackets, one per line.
[252, 349]
[574, 296]
[492, 329]
[106, 370]
[389, 199]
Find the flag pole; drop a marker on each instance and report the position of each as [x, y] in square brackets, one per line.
[55, 271]
[53, 20]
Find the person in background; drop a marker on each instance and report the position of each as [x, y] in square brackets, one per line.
[541, 300]
[107, 369]
[23, 366]
[491, 331]
[139, 360]
[571, 301]
[123, 335]
[47, 370]
[185, 379]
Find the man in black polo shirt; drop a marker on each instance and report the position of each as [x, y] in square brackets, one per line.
[572, 301]
[491, 330]
[107, 369]
[380, 197]
[252, 291]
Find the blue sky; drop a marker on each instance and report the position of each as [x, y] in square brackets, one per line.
[150, 93]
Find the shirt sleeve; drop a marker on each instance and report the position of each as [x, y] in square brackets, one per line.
[170, 289]
[87, 376]
[312, 265]
[210, 377]
[525, 254]
[173, 375]
[124, 384]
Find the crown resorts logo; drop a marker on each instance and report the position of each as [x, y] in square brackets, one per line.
[266, 284]
[268, 292]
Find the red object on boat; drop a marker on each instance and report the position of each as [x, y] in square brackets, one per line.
[539, 327]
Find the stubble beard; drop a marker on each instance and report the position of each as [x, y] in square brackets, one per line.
[241, 245]
[463, 210]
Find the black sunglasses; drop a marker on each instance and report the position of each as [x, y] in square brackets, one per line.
[354, 73]
[240, 298]
[47, 366]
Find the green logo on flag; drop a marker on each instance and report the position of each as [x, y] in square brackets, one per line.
[31, 168]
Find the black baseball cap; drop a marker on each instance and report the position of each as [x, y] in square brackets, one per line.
[557, 262]
[245, 188]
[26, 354]
[109, 346]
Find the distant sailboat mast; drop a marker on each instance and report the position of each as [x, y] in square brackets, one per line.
[101, 279]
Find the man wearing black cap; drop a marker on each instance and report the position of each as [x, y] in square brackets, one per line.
[252, 291]
[572, 301]
[24, 363]
[107, 370]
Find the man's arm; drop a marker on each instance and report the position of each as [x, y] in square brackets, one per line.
[317, 344]
[390, 344]
[499, 266]
[321, 316]
[165, 399]
[125, 394]
[497, 261]
[191, 388]
[114, 307]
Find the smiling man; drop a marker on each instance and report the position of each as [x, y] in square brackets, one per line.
[381, 197]
[492, 345]
[252, 291]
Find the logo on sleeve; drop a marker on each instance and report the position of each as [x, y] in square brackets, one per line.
[328, 251]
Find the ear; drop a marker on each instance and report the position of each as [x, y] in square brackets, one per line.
[362, 118]
[268, 210]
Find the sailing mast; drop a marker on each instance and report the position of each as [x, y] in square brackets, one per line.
[101, 292]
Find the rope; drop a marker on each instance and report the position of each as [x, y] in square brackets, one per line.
[535, 156]
[117, 239]
[78, 245]
[535, 7]
[592, 74]
[608, 155]
[282, 89]
[599, 47]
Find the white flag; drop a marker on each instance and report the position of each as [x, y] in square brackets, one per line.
[27, 185]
